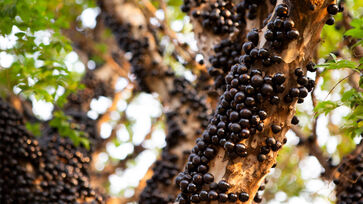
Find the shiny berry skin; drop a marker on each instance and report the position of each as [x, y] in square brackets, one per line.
[288, 99]
[262, 114]
[195, 198]
[213, 195]
[303, 92]
[208, 178]
[267, 79]
[288, 24]
[274, 100]
[270, 141]
[257, 80]
[257, 198]
[243, 196]
[245, 133]
[255, 71]
[293, 34]
[302, 81]
[269, 35]
[263, 53]
[229, 146]
[183, 184]
[203, 195]
[299, 72]
[197, 178]
[235, 127]
[254, 53]
[240, 148]
[278, 23]
[233, 116]
[244, 78]
[232, 197]
[247, 47]
[330, 21]
[245, 113]
[192, 187]
[294, 92]
[333, 9]
[250, 101]
[223, 186]
[276, 128]
[282, 10]
[253, 36]
[271, 26]
[311, 67]
[264, 150]
[223, 197]
[239, 97]
[261, 157]
[294, 120]
[267, 89]
[276, 59]
[278, 78]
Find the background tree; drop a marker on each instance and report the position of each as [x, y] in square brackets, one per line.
[162, 101]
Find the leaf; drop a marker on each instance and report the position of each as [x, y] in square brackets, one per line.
[325, 107]
[357, 30]
[69, 130]
[34, 128]
[340, 64]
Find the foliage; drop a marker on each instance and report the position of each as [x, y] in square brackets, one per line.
[352, 98]
[38, 49]
[65, 128]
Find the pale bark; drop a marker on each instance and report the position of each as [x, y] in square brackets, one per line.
[247, 174]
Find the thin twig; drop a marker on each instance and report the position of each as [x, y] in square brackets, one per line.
[331, 90]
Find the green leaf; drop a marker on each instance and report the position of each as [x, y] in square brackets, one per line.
[340, 64]
[325, 107]
[34, 128]
[357, 30]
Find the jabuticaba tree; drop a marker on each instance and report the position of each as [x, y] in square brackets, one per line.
[49, 169]
[186, 109]
[349, 178]
[233, 156]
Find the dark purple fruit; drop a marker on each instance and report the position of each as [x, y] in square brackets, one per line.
[311, 67]
[299, 72]
[232, 197]
[276, 128]
[333, 9]
[294, 120]
[223, 186]
[293, 34]
[208, 178]
[213, 195]
[261, 157]
[330, 21]
[281, 10]
[278, 78]
[243, 196]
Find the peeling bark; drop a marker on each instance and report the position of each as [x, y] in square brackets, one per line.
[247, 174]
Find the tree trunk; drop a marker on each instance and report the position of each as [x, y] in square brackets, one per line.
[242, 168]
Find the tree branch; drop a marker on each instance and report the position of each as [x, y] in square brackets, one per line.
[186, 110]
[313, 148]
